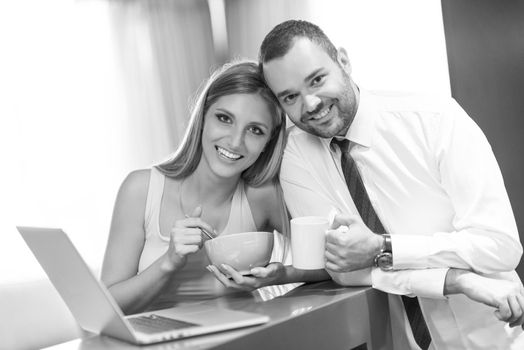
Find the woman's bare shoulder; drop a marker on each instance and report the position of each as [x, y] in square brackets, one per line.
[136, 183]
[139, 175]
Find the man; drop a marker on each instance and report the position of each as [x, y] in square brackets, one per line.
[418, 188]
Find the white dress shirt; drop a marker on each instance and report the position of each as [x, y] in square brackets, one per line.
[434, 182]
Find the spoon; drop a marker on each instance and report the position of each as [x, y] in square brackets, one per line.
[208, 234]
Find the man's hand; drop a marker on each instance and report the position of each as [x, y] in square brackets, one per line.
[260, 276]
[351, 249]
[507, 297]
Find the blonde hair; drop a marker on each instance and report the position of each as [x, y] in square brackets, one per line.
[238, 77]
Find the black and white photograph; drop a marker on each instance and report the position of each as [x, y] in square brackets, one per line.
[261, 174]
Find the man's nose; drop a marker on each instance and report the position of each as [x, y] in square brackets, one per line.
[311, 102]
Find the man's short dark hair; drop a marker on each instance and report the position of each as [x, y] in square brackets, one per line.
[279, 40]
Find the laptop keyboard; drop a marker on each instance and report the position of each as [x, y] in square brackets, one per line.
[156, 324]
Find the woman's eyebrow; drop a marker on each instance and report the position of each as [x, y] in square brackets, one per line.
[260, 124]
[223, 110]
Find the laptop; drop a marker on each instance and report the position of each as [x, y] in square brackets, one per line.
[96, 311]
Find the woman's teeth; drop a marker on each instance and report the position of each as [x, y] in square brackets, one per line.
[229, 155]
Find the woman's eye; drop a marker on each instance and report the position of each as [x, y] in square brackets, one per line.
[256, 130]
[224, 118]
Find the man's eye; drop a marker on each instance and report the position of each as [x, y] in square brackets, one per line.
[290, 99]
[318, 79]
[224, 118]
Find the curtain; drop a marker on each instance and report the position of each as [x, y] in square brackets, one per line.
[248, 21]
[166, 52]
[90, 91]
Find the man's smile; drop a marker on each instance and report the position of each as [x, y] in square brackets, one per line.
[319, 114]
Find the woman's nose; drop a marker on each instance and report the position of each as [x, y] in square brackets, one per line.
[236, 138]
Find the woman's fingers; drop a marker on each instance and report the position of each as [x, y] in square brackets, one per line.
[270, 271]
[186, 240]
[219, 276]
[188, 236]
[232, 273]
[194, 223]
[196, 212]
[194, 220]
[231, 278]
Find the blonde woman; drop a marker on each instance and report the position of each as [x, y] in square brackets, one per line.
[223, 179]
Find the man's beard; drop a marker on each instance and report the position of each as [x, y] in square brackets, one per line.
[339, 124]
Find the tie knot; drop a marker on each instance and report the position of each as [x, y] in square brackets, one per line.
[343, 144]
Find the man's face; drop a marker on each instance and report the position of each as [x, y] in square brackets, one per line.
[315, 91]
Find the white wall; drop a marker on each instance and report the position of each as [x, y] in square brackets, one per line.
[392, 45]
[63, 137]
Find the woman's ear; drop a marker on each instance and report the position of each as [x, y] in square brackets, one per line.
[343, 60]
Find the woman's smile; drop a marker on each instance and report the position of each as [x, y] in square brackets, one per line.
[224, 153]
[237, 127]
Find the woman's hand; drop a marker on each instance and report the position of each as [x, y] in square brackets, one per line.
[260, 276]
[186, 238]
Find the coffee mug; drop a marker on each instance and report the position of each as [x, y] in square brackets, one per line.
[308, 242]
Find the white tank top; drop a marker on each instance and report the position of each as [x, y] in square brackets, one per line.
[193, 282]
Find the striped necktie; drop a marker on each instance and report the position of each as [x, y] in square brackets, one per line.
[370, 218]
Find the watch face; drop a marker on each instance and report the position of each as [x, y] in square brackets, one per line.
[385, 261]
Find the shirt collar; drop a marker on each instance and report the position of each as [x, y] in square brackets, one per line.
[362, 128]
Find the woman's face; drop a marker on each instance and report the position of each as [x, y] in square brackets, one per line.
[236, 130]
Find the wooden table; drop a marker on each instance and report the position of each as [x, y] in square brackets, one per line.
[314, 316]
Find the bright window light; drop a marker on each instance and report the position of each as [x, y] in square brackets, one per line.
[392, 45]
[63, 134]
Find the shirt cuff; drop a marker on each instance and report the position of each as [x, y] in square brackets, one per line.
[425, 283]
[410, 251]
[429, 283]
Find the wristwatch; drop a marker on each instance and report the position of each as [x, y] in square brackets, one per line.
[384, 259]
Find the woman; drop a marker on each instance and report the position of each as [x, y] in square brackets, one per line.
[222, 179]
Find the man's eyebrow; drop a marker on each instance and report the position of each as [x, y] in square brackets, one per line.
[312, 75]
[306, 79]
[283, 93]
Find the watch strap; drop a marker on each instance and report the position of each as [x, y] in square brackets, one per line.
[387, 247]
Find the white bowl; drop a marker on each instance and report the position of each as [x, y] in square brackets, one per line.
[241, 251]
